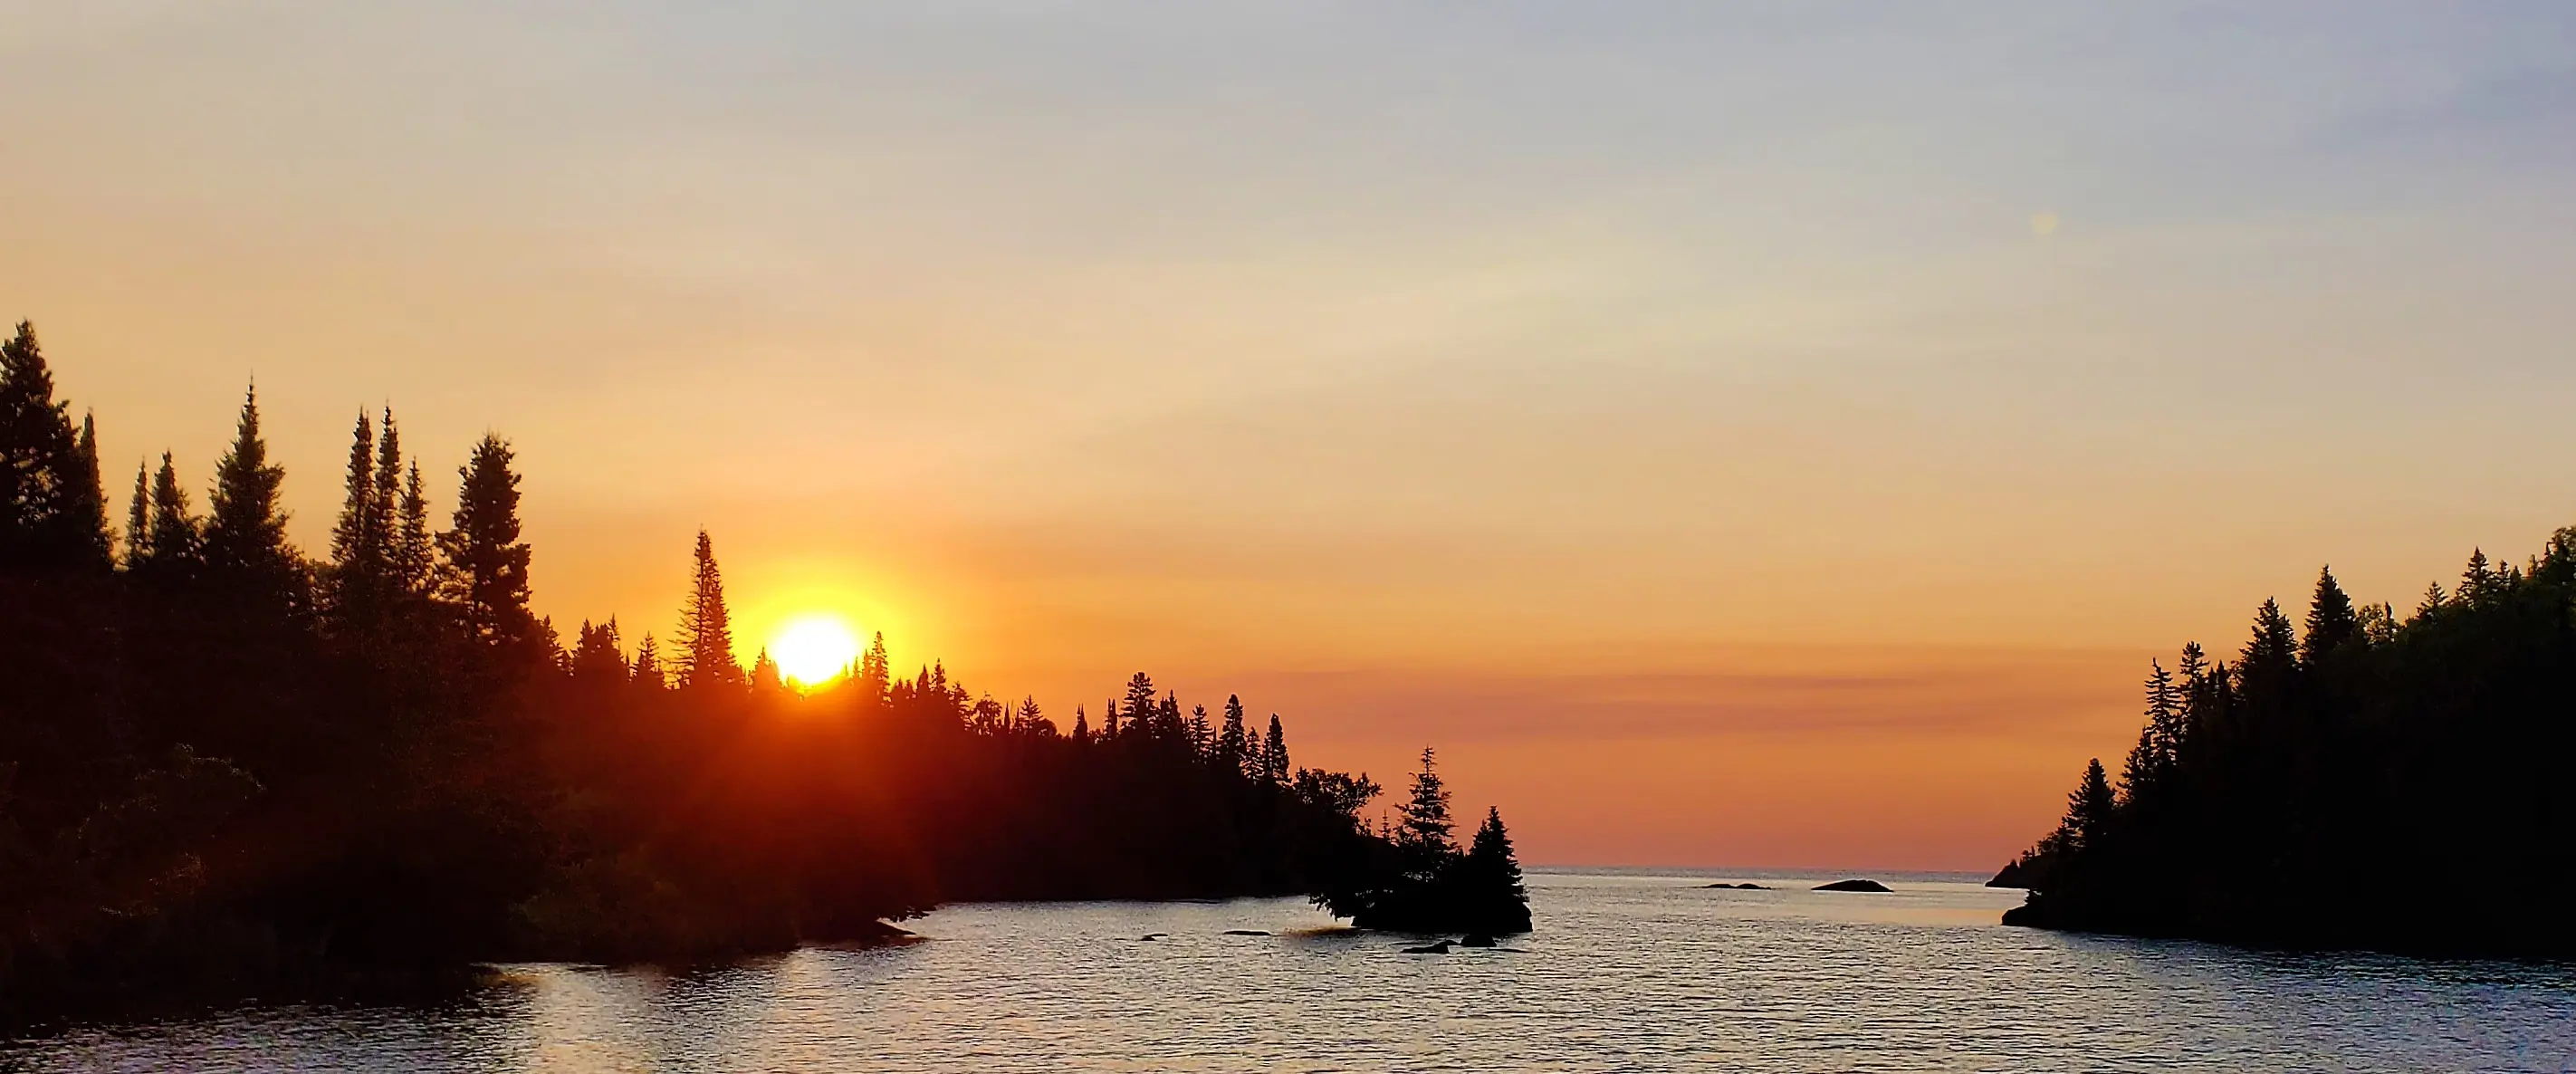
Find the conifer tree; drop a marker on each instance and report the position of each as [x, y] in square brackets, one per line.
[1233, 742]
[2275, 644]
[360, 565]
[245, 536]
[40, 520]
[484, 564]
[2090, 808]
[384, 515]
[648, 665]
[1081, 727]
[415, 550]
[1493, 867]
[874, 677]
[597, 656]
[1423, 827]
[706, 627]
[92, 542]
[1141, 705]
[2331, 620]
[1202, 737]
[764, 674]
[173, 551]
[138, 518]
[1274, 753]
[349, 553]
[2477, 581]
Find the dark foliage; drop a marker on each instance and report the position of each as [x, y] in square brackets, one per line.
[225, 769]
[2377, 783]
[1418, 880]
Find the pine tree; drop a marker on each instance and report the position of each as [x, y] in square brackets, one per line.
[2160, 743]
[41, 522]
[1081, 727]
[384, 514]
[648, 665]
[2275, 644]
[1233, 742]
[2477, 582]
[706, 627]
[350, 555]
[597, 656]
[138, 518]
[1202, 737]
[415, 551]
[1495, 873]
[1140, 707]
[174, 548]
[245, 536]
[764, 674]
[2331, 620]
[92, 543]
[2090, 808]
[484, 564]
[1423, 827]
[874, 677]
[1274, 753]
[359, 559]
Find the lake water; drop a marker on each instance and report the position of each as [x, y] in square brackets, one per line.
[1628, 972]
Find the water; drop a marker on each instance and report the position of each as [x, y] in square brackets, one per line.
[1629, 973]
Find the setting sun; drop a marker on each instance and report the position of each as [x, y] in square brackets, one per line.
[814, 649]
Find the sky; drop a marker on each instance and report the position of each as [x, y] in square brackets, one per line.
[1766, 435]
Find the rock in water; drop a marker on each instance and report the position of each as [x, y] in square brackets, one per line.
[1245, 932]
[1746, 886]
[1852, 885]
[1476, 939]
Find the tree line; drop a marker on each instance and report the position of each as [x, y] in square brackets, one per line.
[2363, 779]
[226, 766]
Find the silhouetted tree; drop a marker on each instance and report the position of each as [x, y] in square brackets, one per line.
[51, 508]
[648, 665]
[483, 564]
[1274, 753]
[597, 656]
[764, 674]
[1234, 742]
[246, 552]
[706, 626]
[172, 552]
[2332, 622]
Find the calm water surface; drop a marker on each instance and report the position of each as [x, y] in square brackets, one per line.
[1628, 973]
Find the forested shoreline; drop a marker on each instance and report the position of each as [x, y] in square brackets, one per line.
[2365, 780]
[227, 768]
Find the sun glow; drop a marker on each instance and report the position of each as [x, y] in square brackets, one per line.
[814, 649]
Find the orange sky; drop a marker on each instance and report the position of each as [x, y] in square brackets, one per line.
[1732, 438]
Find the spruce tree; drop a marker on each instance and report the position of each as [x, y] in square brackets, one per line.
[1081, 727]
[92, 543]
[415, 550]
[484, 568]
[2090, 808]
[764, 674]
[1494, 872]
[245, 536]
[349, 552]
[359, 564]
[1274, 753]
[384, 514]
[40, 520]
[2274, 646]
[1233, 742]
[596, 656]
[648, 665]
[174, 548]
[706, 627]
[874, 677]
[138, 518]
[1423, 827]
[2331, 620]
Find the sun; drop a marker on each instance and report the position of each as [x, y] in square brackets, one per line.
[814, 649]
